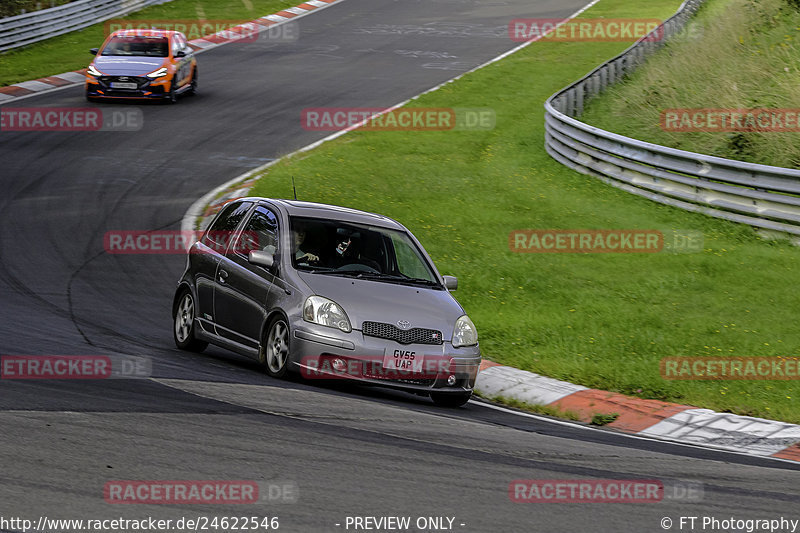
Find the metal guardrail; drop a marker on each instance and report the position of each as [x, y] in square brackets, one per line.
[763, 196]
[36, 26]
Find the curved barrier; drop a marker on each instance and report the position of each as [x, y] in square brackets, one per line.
[763, 196]
[37, 26]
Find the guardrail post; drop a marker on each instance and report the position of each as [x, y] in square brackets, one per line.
[579, 96]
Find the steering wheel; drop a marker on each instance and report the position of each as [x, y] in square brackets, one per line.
[358, 267]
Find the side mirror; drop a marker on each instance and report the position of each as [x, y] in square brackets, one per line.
[180, 53]
[450, 283]
[261, 258]
[94, 51]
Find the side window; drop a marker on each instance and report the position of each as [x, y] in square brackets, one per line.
[181, 43]
[260, 233]
[176, 44]
[221, 230]
[407, 261]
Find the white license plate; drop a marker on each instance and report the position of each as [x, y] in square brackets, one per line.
[123, 85]
[403, 360]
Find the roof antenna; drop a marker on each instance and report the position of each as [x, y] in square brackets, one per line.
[293, 189]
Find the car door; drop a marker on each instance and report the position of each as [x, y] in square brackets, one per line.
[183, 64]
[205, 258]
[242, 290]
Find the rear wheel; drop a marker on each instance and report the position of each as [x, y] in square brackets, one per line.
[274, 352]
[183, 330]
[453, 399]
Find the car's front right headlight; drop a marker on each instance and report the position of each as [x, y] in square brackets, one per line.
[464, 334]
[158, 73]
[326, 312]
[92, 71]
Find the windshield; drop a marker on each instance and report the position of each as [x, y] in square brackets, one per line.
[342, 248]
[137, 45]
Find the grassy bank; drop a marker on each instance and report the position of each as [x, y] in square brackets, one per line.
[11, 8]
[601, 320]
[743, 55]
[71, 51]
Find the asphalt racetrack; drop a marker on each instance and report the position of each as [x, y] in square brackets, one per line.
[346, 452]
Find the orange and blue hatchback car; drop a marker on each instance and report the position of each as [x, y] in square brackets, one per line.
[142, 64]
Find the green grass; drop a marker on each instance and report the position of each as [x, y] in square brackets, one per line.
[604, 419]
[11, 8]
[744, 54]
[71, 51]
[600, 320]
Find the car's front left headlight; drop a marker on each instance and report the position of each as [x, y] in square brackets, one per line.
[326, 312]
[158, 73]
[92, 71]
[464, 334]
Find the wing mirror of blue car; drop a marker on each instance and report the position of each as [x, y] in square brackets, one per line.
[261, 258]
[180, 53]
[94, 51]
[450, 283]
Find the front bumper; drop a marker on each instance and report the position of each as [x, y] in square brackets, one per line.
[146, 89]
[328, 354]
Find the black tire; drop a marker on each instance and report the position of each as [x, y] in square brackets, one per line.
[452, 399]
[172, 95]
[183, 323]
[193, 86]
[274, 352]
[91, 98]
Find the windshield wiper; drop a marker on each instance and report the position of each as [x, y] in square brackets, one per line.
[401, 279]
[422, 281]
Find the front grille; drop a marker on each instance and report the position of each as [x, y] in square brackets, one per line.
[138, 80]
[408, 336]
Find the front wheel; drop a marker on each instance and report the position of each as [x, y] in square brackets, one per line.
[193, 86]
[453, 399]
[274, 352]
[183, 330]
[172, 95]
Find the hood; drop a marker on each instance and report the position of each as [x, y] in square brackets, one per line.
[367, 300]
[127, 65]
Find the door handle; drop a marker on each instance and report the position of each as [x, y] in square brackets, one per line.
[222, 276]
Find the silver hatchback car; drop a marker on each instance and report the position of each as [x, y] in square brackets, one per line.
[329, 293]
